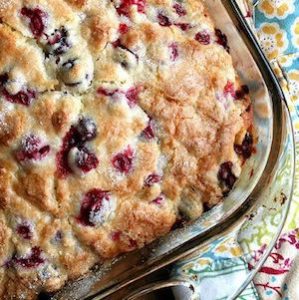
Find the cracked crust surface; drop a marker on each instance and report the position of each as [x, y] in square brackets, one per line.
[116, 118]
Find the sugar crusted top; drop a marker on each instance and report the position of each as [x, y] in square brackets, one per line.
[117, 118]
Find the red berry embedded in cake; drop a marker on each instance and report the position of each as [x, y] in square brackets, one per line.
[25, 231]
[221, 39]
[226, 175]
[115, 236]
[132, 244]
[94, 208]
[246, 148]
[70, 140]
[85, 160]
[58, 42]
[33, 260]
[106, 92]
[36, 20]
[179, 9]
[24, 97]
[118, 235]
[203, 38]
[152, 179]
[183, 26]
[123, 162]
[132, 95]
[75, 139]
[148, 132]
[117, 43]
[229, 89]
[164, 20]
[174, 52]
[159, 200]
[123, 28]
[125, 7]
[32, 148]
[87, 129]
[242, 92]
[3, 79]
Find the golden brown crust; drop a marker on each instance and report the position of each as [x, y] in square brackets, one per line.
[12, 126]
[37, 188]
[114, 119]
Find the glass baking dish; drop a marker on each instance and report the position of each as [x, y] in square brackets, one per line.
[261, 184]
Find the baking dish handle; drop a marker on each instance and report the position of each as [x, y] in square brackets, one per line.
[154, 286]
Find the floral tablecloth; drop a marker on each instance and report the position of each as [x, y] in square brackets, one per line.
[277, 28]
[223, 264]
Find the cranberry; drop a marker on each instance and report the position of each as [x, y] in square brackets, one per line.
[203, 38]
[221, 39]
[229, 89]
[246, 148]
[132, 95]
[59, 42]
[32, 148]
[71, 139]
[36, 16]
[123, 161]
[240, 94]
[4, 78]
[125, 6]
[85, 160]
[226, 175]
[132, 243]
[24, 230]
[106, 92]
[245, 89]
[159, 200]
[123, 28]
[117, 43]
[23, 97]
[183, 26]
[164, 20]
[174, 52]
[180, 10]
[87, 129]
[84, 131]
[54, 38]
[148, 132]
[92, 204]
[115, 236]
[152, 179]
[33, 260]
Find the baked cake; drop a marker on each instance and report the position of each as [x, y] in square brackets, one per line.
[117, 119]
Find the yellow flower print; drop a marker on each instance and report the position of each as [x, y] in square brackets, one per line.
[295, 33]
[277, 8]
[288, 60]
[293, 77]
[273, 40]
[285, 61]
